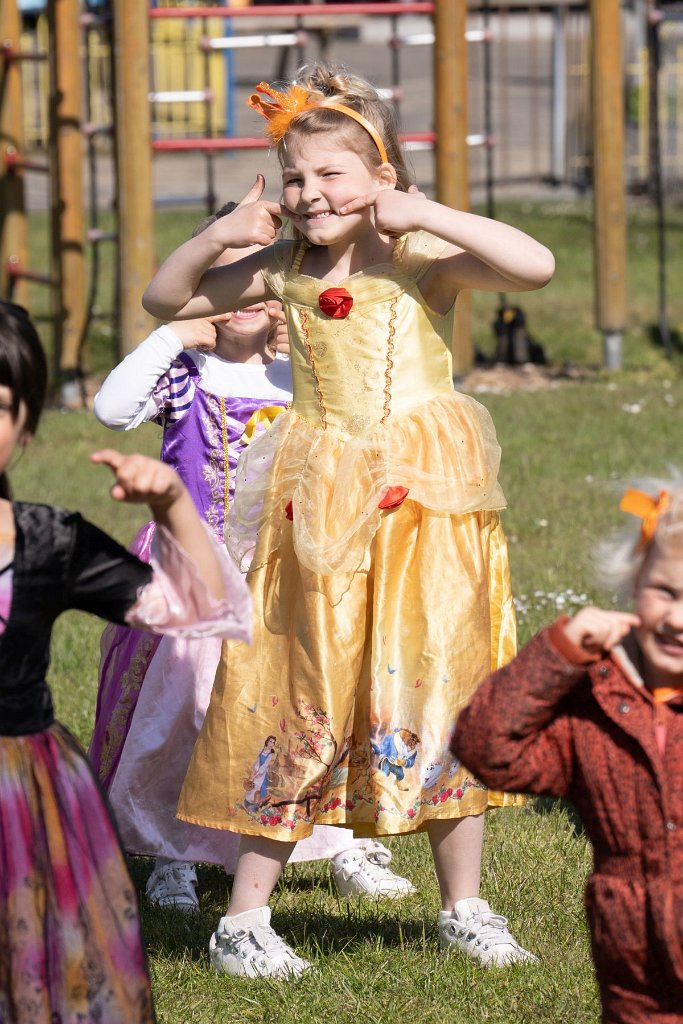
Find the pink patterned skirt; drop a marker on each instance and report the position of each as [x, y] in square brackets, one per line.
[70, 945]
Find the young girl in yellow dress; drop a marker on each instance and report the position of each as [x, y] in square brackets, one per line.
[367, 518]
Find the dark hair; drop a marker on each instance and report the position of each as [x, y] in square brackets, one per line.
[23, 369]
[225, 209]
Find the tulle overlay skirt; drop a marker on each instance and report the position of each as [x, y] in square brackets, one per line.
[372, 628]
[443, 451]
[70, 946]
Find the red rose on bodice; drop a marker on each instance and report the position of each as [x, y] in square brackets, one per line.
[336, 302]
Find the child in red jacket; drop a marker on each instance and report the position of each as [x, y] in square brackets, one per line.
[592, 710]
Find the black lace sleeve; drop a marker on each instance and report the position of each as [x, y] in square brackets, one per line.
[102, 577]
[60, 561]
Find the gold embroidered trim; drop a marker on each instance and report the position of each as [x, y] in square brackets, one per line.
[215, 423]
[131, 683]
[303, 316]
[226, 462]
[390, 360]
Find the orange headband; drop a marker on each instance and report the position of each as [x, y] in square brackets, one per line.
[647, 508]
[283, 107]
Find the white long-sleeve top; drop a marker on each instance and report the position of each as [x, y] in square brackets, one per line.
[152, 383]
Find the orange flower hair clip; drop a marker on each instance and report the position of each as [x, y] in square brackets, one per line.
[647, 508]
[282, 107]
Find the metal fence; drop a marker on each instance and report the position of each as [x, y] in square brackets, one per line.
[529, 83]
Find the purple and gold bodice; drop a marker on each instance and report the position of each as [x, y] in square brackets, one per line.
[203, 446]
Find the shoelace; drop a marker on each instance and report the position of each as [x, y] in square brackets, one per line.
[262, 938]
[489, 928]
[377, 854]
[184, 870]
[176, 876]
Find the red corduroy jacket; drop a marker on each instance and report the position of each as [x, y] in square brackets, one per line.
[592, 733]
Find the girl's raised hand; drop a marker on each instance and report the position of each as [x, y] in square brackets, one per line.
[254, 221]
[279, 337]
[199, 333]
[394, 212]
[596, 630]
[140, 479]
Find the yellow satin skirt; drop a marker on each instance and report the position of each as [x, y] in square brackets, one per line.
[341, 710]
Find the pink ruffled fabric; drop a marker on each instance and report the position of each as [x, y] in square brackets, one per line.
[178, 603]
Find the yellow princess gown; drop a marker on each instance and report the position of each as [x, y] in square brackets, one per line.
[372, 625]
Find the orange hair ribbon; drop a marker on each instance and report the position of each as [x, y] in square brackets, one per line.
[647, 508]
[283, 107]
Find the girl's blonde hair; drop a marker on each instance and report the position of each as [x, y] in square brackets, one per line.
[620, 558]
[336, 85]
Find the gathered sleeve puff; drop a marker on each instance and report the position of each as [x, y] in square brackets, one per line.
[177, 602]
[167, 597]
[142, 387]
[416, 251]
[517, 733]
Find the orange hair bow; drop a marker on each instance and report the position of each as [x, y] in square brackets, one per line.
[647, 508]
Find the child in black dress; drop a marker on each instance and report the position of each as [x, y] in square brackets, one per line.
[70, 946]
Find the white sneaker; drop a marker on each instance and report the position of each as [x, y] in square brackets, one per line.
[364, 871]
[173, 884]
[473, 928]
[246, 945]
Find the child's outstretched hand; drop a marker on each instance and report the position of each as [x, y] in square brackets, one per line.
[140, 479]
[596, 630]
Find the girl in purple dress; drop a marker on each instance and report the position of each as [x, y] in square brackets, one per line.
[70, 946]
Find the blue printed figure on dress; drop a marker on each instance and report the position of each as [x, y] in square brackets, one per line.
[396, 753]
[367, 518]
[257, 783]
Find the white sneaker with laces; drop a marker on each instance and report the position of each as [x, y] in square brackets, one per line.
[473, 928]
[247, 946]
[364, 871]
[173, 884]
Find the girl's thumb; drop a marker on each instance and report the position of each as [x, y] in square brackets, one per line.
[255, 192]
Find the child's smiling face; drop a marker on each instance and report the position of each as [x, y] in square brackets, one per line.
[659, 605]
[318, 178]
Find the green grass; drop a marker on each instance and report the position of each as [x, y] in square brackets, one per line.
[563, 450]
[564, 453]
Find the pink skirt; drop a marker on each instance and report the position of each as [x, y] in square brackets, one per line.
[70, 944]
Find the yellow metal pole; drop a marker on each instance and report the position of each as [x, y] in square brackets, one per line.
[452, 172]
[13, 223]
[67, 193]
[609, 205]
[134, 168]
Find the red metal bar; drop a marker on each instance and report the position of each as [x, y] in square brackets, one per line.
[14, 162]
[14, 270]
[222, 143]
[9, 53]
[291, 10]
